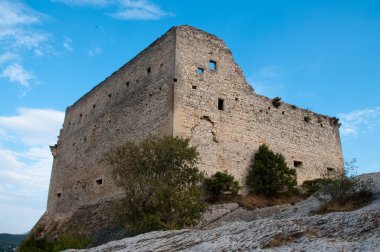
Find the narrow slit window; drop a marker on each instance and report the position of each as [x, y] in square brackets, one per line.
[200, 70]
[99, 181]
[148, 70]
[221, 104]
[297, 164]
[212, 65]
[127, 84]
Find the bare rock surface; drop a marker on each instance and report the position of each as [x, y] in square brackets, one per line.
[280, 228]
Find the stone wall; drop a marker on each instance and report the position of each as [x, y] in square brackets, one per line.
[227, 121]
[171, 88]
[134, 102]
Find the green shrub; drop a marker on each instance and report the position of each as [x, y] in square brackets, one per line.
[312, 186]
[161, 184]
[35, 245]
[221, 183]
[269, 175]
[70, 241]
[276, 102]
[343, 192]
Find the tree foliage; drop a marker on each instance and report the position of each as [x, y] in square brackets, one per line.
[221, 183]
[269, 175]
[161, 182]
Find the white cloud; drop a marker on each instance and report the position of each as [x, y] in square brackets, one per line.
[18, 34]
[34, 127]
[15, 13]
[124, 9]
[357, 121]
[67, 44]
[139, 10]
[25, 173]
[95, 51]
[16, 73]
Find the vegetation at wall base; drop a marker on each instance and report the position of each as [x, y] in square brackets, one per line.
[161, 183]
[63, 242]
[221, 185]
[269, 175]
[340, 192]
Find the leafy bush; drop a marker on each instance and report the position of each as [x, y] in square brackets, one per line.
[64, 241]
[269, 175]
[343, 192]
[161, 184]
[312, 186]
[35, 245]
[276, 102]
[70, 241]
[221, 183]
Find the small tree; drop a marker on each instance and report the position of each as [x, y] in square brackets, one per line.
[221, 183]
[161, 183]
[269, 175]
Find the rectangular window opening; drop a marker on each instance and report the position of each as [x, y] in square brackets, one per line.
[298, 164]
[194, 87]
[212, 65]
[200, 70]
[221, 104]
[99, 181]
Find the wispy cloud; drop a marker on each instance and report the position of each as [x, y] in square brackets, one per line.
[67, 44]
[360, 121]
[25, 172]
[18, 33]
[124, 9]
[268, 80]
[94, 52]
[17, 73]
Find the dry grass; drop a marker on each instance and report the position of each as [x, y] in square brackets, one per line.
[251, 202]
[282, 239]
[350, 205]
[259, 201]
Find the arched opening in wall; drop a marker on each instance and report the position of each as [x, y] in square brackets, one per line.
[298, 164]
[99, 181]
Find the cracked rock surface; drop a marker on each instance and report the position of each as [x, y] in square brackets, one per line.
[281, 228]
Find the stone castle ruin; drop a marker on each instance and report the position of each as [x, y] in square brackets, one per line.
[187, 84]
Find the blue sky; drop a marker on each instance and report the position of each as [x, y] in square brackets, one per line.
[321, 55]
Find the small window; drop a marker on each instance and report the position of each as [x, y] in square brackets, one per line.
[221, 104]
[194, 87]
[200, 70]
[109, 95]
[99, 181]
[59, 195]
[330, 169]
[297, 164]
[127, 84]
[212, 65]
[148, 70]
[175, 80]
[94, 106]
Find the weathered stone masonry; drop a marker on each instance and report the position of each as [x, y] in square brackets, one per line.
[184, 84]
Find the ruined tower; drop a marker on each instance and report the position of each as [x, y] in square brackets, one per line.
[186, 83]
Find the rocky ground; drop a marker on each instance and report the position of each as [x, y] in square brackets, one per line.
[229, 227]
